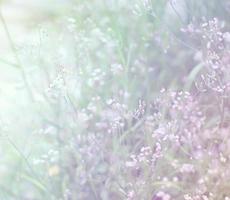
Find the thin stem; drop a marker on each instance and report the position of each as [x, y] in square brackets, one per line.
[176, 12]
[27, 163]
[14, 50]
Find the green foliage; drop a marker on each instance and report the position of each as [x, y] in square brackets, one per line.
[65, 69]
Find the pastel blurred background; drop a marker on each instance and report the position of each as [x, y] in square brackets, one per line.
[71, 74]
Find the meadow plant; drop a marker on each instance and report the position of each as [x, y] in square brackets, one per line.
[124, 105]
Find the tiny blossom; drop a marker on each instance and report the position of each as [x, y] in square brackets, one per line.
[214, 52]
[162, 195]
[116, 69]
[139, 112]
[187, 168]
[187, 197]
[97, 78]
[130, 195]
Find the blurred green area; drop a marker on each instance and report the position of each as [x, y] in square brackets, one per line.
[135, 48]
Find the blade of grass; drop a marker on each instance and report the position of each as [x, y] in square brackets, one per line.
[14, 50]
[192, 76]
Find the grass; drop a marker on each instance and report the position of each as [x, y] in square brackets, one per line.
[90, 98]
